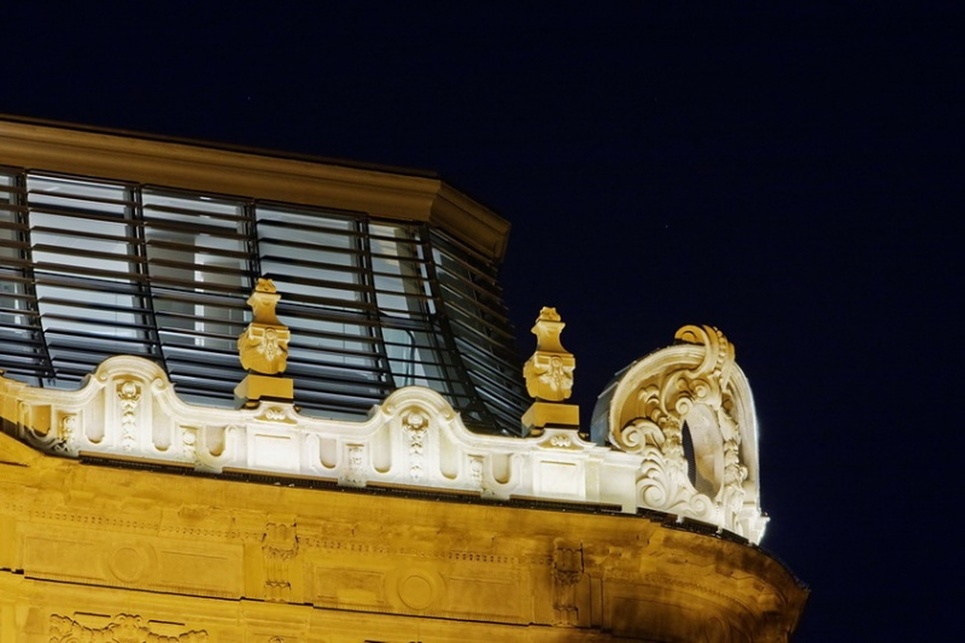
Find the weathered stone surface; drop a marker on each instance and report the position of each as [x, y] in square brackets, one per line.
[309, 564]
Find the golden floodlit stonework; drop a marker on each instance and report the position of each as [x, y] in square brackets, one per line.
[128, 408]
[234, 559]
[263, 350]
[163, 521]
[549, 377]
[412, 498]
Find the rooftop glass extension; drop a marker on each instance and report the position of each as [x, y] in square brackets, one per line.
[91, 268]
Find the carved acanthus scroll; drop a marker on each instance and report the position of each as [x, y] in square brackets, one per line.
[123, 628]
[694, 394]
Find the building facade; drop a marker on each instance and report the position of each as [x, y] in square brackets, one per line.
[359, 456]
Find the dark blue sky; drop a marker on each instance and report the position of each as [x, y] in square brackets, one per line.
[792, 176]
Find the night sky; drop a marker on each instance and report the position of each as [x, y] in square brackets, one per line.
[791, 176]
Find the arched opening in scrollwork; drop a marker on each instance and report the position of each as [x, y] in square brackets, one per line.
[704, 450]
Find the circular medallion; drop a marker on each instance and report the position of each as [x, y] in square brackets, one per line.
[418, 589]
[128, 563]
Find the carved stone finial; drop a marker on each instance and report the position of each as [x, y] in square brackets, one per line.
[263, 349]
[549, 371]
[549, 375]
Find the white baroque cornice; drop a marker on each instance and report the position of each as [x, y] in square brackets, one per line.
[128, 410]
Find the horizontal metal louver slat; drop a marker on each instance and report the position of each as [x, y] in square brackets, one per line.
[483, 333]
[94, 267]
[23, 351]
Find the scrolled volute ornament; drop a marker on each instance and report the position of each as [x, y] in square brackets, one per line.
[687, 411]
[639, 432]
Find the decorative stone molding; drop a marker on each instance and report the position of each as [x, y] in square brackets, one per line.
[687, 411]
[414, 589]
[415, 438]
[356, 470]
[476, 472]
[68, 426]
[280, 546]
[123, 628]
[567, 571]
[415, 424]
[129, 394]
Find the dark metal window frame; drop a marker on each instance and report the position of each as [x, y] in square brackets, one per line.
[456, 321]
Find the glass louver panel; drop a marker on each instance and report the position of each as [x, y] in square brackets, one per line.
[200, 273]
[88, 274]
[412, 336]
[91, 268]
[22, 351]
[479, 323]
[317, 261]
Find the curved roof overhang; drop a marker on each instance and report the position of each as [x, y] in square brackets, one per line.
[407, 195]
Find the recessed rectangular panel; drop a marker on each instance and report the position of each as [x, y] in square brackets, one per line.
[270, 451]
[559, 479]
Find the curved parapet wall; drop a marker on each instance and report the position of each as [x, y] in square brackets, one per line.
[688, 413]
[128, 410]
[681, 421]
[410, 551]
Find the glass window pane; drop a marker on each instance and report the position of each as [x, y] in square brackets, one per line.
[316, 260]
[199, 268]
[89, 284]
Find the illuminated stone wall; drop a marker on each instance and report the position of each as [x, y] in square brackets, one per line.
[129, 515]
[90, 552]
